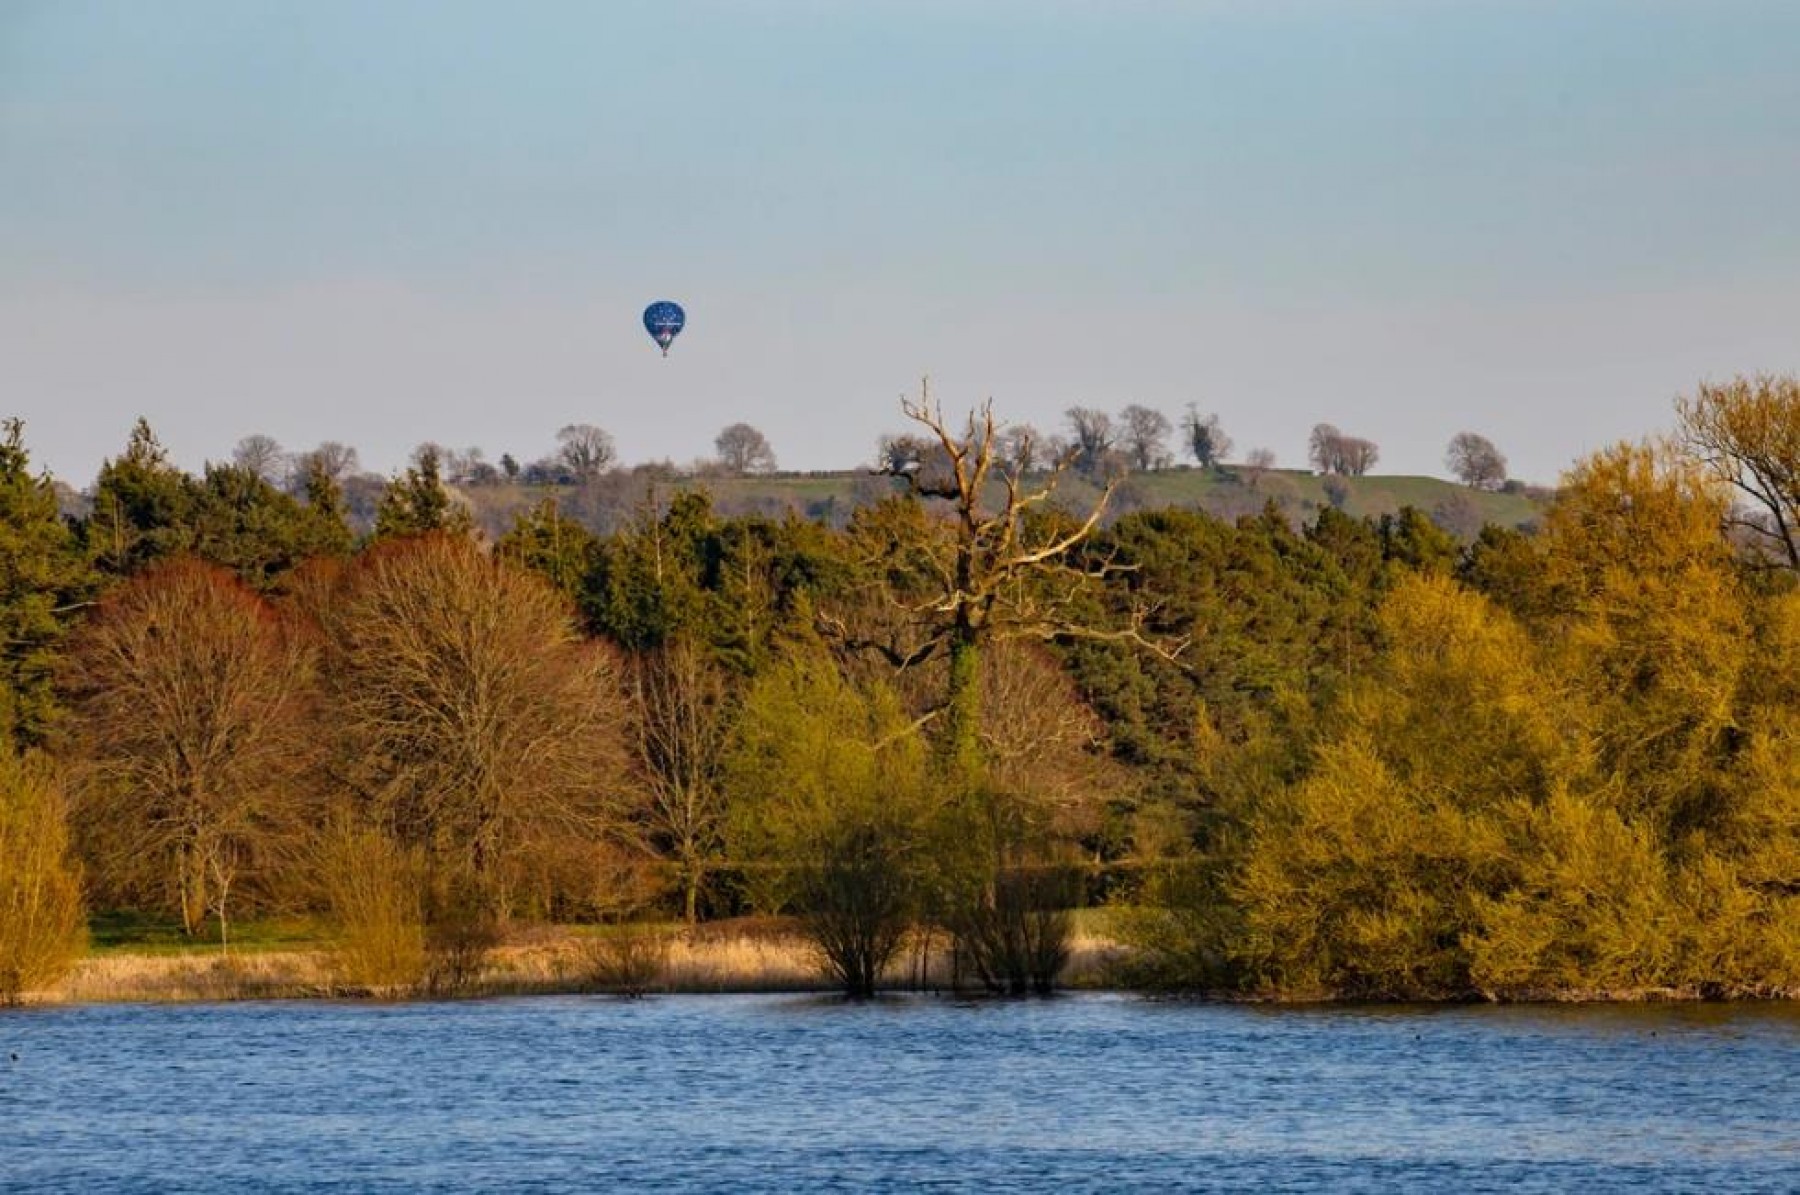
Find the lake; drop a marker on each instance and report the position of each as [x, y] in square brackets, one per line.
[736, 1093]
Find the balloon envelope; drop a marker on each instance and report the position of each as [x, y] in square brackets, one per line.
[664, 321]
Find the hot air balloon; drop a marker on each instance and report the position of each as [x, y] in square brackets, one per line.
[664, 321]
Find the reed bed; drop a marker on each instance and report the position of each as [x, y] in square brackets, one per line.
[757, 957]
[119, 977]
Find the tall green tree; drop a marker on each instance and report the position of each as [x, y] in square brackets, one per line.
[831, 813]
[43, 578]
[417, 501]
[553, 545]
[143, 508]
[648, 580]
[243, 523]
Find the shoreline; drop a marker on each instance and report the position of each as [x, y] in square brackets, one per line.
[706, 961]
[686, 962]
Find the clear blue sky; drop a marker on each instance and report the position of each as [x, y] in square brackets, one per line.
[383, 223]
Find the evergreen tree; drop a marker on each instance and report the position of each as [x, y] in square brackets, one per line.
[549, 543]
[42, 577]
[417, 501]
[243, 523]
[143, 508]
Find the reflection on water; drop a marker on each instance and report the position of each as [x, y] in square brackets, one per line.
[733, 1093]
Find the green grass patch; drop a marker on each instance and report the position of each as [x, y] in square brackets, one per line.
[126, 931]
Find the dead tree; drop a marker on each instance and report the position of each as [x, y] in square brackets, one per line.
[1003, 565]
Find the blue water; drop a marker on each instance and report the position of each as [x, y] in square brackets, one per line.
[779, 1093]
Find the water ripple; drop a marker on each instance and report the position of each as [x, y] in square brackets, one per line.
[734, 1093]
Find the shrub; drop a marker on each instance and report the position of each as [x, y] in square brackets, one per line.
[1015, 935]
[458, 940]
[372, 885]
[42, 929]
[627, 962]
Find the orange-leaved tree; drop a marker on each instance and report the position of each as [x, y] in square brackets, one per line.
[189, 699]
[470, 717]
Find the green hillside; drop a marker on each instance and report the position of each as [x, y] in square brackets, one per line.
[831, 497]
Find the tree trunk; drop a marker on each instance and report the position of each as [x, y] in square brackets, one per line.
[963, 744]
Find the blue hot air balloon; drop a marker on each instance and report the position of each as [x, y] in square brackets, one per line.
[664, 321]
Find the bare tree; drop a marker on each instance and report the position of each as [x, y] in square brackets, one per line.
[338, 460]
[188, 699]
[331, 460]
[1206, 439]
[911, 456]
[743, 449]
[469, 467]
[1257, 462]
[1144, 435]
[473, 719]
[1475, 461]
[1458, 514]
[1359, 456]
[1092, 436]
[585, 449]
[1331, 451]
[261, 455]
[1021, 448]
[976, 570]
[1323, 450]
[1747, 431]
[680, 726]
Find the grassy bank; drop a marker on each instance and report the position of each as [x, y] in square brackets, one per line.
[278, 961]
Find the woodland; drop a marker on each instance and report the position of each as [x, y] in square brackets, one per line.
[1330, 756]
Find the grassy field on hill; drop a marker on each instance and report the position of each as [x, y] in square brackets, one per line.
[831, 497]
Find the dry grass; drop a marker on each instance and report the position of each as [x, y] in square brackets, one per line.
[757, 956]
[271, 975]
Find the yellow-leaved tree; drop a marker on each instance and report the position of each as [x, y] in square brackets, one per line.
[42, 925]
[831, 814]
[1367, 876]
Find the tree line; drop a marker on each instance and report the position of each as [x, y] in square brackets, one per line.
[1091, 441]
[1351, 757]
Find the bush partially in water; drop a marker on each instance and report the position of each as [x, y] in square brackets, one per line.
[1015, 932]
[42, 930]
[832, 805]
[460, 935]
[628, 961]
